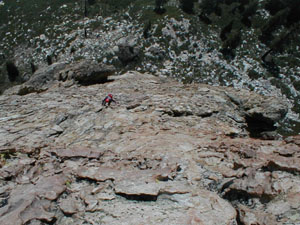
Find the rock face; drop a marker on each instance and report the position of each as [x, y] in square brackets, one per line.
[166, 153]
[86, 72]
[40, 80]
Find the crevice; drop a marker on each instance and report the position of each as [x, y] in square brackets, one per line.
[12, 71]
[205, 115]
[226, 185]
[176, 113]
[91, 81]
[4, 199]
[236, 196]
[257, 124]
[272, 166]
[141, 197]
[162, 178]
[238, 218]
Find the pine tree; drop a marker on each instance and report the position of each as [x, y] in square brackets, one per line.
[187, 6]
[275, 21]
[225, 31]
[159, 6]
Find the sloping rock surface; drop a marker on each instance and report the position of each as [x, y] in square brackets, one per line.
[165, 153]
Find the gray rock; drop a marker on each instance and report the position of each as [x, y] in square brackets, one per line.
[157, 157]
[127, 49]
[39, 81]
[87, 72]
[25, 205]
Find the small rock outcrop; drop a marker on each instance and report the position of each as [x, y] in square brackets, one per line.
[40, 80]
[86, 73]
[166, 153]
[127, 50]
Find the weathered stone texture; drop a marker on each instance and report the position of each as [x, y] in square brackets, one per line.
[166, 153]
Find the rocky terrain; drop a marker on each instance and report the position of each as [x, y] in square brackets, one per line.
[165, 153]
[218, 42]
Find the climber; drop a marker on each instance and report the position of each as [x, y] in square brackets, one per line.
[107, 100]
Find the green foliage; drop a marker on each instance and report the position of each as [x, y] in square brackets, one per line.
[231, 43]
[296, 85]
[253, 74]
[159, 6]
[274, 6]
[91, 2]
[187, 6]
[225, 31]
[147, 28]
[273, 23]
[233, 40]
[208, 6]
[249, 11]
[280, 41]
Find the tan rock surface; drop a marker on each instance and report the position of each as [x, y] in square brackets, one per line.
[166, 153]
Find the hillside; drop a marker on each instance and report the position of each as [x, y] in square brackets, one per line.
[244, 44]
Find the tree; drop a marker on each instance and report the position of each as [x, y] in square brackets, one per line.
[249, 11]
[159, 6]
[91, 2]
[187, 6]
[208, 6]
[85, 9]
[225, 31]
[147, 28]
[274, 6]
[49, 59]
[232, 42]
[275, 21]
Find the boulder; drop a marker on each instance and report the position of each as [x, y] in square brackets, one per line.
[86, 72]
[39, 81]
[29, 202]
[127, 50]
[261, 113]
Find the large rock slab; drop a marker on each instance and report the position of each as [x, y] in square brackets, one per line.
[86, 72]
[167, 153]
[29, 202]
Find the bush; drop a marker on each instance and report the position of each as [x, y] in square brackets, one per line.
[275, 21]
